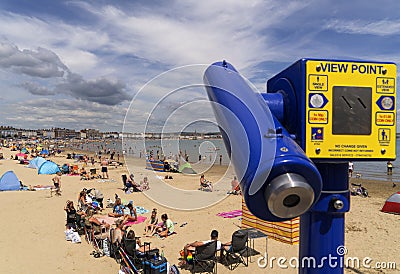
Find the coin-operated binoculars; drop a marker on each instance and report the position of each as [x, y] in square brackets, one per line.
[290, 147]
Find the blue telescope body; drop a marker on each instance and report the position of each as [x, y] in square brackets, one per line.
[278, 180]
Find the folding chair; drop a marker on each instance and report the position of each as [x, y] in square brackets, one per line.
[233, 256]
[129, 247]
[205, 259]
[113, 247]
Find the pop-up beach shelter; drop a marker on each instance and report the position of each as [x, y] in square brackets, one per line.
[392, 205]
[9, 181]
[48, 167]
[36, 162]
[187, 169]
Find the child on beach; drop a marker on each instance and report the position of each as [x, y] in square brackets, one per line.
[167, 228]
[57, 184]
[151, 224]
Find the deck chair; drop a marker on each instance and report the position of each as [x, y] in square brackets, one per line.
[75, 221]
[205, 259]
[93, 174]
[129, 246]
[234, 255]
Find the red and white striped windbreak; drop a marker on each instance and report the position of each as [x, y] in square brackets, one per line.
[392, 205]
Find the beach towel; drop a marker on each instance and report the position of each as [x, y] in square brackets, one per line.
[141, 210]
[231, 214]
[140, 219]
[41, 187]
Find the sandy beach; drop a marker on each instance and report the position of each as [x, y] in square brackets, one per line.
[33, 223]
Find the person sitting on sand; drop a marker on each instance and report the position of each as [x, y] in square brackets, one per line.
[151, 224]
[190, 248]
[235, 187]
[144, 185]
[167, 228]
[130, 215]
[118, 210]
[204, 184]
[84, 174]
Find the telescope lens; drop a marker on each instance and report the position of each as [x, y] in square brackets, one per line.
[291, 200]
[289, 195]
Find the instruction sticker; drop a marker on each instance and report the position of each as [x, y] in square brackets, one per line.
[318, 116]
[385, 85]
[384, 136]
[318, 82]
[384, 119]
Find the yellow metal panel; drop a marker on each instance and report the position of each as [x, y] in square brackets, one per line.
[321, 77]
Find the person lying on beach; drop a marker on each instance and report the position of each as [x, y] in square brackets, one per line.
[151, 224]
[98, 225]
[130, 215]
[167, 227]
[118, 210]
[190, 248]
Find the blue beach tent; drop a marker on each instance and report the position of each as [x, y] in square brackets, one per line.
[36, 162]
[48, 167]
[9, 181]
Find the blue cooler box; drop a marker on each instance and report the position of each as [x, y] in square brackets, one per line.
[155, 266]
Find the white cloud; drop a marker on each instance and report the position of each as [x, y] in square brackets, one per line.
[379, 28]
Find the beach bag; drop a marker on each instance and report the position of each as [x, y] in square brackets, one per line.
[76, 239]
[68, 234]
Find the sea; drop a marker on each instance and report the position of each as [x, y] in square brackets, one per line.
[212, 151]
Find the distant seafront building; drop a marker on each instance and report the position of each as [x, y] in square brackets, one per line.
[92, 134]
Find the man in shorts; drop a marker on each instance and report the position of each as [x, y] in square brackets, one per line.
[104, 168]
[57, 184]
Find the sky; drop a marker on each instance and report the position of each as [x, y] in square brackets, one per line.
[84, 64]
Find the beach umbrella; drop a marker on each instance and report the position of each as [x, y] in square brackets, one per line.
[24, 150]
[21, 154]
